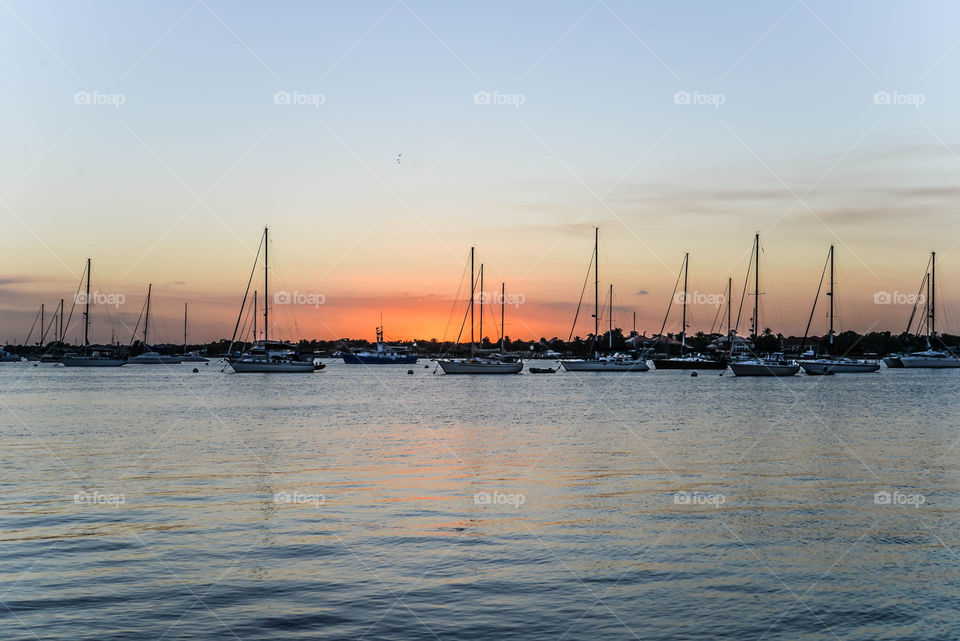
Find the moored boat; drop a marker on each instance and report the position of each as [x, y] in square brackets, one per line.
[90, 358]
[764, 367]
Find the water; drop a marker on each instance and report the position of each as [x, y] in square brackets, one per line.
[351, 504]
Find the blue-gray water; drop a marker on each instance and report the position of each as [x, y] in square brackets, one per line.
[342, 505]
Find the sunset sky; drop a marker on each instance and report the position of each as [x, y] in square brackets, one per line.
[380, 140]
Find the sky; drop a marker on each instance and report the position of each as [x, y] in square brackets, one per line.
[379, 141]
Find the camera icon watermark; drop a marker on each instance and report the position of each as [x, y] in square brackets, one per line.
[899, 498]
[299, 98]
[699, 298]
[896, 298]
[298, 298]
[98, 498]
[114, 100]
[497, 298]
[699, 498]
[715, 100]
[497, 498]
[299, 498]
[899, 98]
[514, 100]
[99, 298]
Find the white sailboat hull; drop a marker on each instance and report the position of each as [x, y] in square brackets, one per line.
[838, 367]
[480, 367]
[265, 367]
[639, 365]
[930, 362]
[153, 359]
[764, 369]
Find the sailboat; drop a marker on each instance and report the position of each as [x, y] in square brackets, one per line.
[830, 365]
[267, 357]
[684, 361]
[150, 357]
[191, 357]
[931, 358]
[757, 365]
[90, 358]
[610, 362]
[491, 364]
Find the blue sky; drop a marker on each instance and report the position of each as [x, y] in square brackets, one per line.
[173, 185]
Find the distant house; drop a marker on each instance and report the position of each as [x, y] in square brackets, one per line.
[741, 346]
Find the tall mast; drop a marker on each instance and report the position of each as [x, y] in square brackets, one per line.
[596, 284]
[933, 295]
[481, 303]
[266, 285]
[43, 332]
[472, 294]
[683, 324]
[756, 289]
[61, 320]
[503, 304]
[185, 328]
[86, 313]
[831, 294]
[146, 320]
[729, 319]
[610, 332]
[254, 316]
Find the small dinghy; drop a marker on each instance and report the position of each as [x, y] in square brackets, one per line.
[542, 370]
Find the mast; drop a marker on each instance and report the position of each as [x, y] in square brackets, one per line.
[185, 328]
[503, 304]
[729, 319]
[86, 313]
[683, 324]
[933, 296]
[610, 332]
[254, 316]
[61, 320]
[43, 332]
[756, 289]
[596, 284]
[146, 320]
[266, 290]
[472, 294]
[481, 304]
[830, 294]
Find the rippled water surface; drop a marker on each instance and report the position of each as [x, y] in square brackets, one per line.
[151, 502]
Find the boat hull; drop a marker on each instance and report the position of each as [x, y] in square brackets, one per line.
[154, 360]
[678, 363]
[87, 361]
[605, 366]
[819, 368]
[468, 367]
[753, 369]
[254, 367]
[893, 362]
[916, 362]
[357, 359]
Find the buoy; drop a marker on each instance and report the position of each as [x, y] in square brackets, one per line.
[426, 367]
[693, 373]
[195, 370]
[409, 371]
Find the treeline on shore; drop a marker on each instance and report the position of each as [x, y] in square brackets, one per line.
[844, 343]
